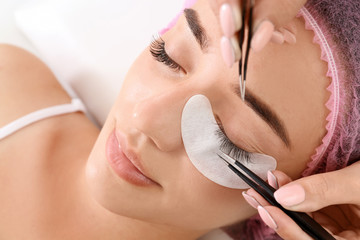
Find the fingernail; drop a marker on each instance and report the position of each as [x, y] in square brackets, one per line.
[291, 195]
[266, 217]
[227, 51]
[229, 20]
[236, 11]
[277, 37]
[251, 200]
[236, 47]
[262, 35]
[289, 37]
[272, 180]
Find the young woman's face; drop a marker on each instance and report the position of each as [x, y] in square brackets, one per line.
[287, 80]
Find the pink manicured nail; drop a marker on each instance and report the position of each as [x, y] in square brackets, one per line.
[272, 180]
[230, 19]
[262, 35]
[277, 37]
[237, 17]
[252, 201]
[290, 195]
[289, 37]
[227, 21]
[266, 217]
[227, 51]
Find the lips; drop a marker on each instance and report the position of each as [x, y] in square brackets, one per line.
[125, 162]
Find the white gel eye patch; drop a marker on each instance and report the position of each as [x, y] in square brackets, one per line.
[202, 143]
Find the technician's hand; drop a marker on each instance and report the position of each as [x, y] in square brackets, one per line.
[332, 199]
[269, 24]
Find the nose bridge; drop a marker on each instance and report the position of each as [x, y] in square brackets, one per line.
[159, 115]
[159, 118]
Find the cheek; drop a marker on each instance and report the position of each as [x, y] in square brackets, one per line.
[213, 205]
[146, 77]
[136, 85]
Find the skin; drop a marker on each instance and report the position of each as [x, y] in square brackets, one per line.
[67, 194]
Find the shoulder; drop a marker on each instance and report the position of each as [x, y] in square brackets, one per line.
[26, 84]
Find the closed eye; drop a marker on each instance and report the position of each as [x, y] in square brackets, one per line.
[157, 50]
[231, 149]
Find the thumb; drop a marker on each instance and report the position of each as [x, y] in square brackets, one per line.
[279, 12]
[312, 193]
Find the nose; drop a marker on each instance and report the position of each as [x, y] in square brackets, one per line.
[159, 118]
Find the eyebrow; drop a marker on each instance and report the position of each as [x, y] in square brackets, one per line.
[266, 113]
[196, 28]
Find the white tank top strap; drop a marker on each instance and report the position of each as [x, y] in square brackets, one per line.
[76, 105]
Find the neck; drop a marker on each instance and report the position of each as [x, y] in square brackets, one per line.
[107, 225]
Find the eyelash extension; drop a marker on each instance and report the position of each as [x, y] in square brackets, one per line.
[157, 50]
[231, 149]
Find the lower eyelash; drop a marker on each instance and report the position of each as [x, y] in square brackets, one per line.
[157, 50]
[231, 149]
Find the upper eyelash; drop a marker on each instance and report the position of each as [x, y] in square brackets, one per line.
[157, 50]
[231, 149]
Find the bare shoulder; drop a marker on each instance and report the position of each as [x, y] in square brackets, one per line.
[26, 84]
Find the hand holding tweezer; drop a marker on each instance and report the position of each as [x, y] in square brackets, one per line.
[304, 221]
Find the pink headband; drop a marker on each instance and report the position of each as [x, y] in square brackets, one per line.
[334, 88]
[187, 4]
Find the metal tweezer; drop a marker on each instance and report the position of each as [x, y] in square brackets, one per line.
[304, 221]
[245, 42]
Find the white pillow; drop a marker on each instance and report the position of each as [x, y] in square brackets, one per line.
[90, 44]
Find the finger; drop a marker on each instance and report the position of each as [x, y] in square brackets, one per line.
[349, 234]
[277, 37]
[251, 200]
[281, 178]
[216, 4]
[229, 17]
[275, 179]
[289, 37]
[318, 191]
[271, 15]
[230, 50]
[272, 180]
[284, 226]
[279, 12]
[251, 192]
[327, 222]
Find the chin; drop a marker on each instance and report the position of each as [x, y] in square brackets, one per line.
[97, 178]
